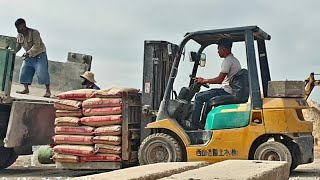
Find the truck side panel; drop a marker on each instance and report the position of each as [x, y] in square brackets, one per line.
[30, 123]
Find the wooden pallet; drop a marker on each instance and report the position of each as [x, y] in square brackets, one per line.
[89, 165]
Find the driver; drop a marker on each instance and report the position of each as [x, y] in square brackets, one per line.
[230, 66]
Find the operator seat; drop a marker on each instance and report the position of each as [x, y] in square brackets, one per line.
[240, 93]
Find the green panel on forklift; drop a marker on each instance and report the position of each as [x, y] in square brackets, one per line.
[6, 68]
[228, 117]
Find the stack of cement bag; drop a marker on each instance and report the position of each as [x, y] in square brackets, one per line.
[88, 126]
[105, 114]
[72, 138]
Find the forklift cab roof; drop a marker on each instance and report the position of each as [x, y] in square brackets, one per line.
[208, 37]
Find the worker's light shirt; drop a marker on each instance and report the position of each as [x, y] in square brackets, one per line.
[31, 43]
[230, 66]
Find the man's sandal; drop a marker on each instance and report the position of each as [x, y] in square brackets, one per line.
[47, 95]
[22, 92]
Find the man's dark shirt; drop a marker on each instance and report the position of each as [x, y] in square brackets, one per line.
[94, 86]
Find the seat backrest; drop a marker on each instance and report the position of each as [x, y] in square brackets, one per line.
[240, 84]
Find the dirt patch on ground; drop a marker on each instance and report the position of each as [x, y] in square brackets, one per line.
[313, 114]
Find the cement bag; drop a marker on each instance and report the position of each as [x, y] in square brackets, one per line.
[69, 130]
[101, 157]
[107, 149]
[67, 121]
[65, 158]
[112, 140]
[98, 121]
[112, 130]
[70, 105]
[102, 111]
[76, 150]
[115, 92]
[66, 113]
[80, 94]
[72, 139]
[101, 102]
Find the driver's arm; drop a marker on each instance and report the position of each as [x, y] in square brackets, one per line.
[217, 80]
[225, 69]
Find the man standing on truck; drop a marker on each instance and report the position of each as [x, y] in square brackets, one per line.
[88, 80]
[35, 58]
[230, 66]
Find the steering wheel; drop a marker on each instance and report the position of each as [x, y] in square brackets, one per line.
[204, 85]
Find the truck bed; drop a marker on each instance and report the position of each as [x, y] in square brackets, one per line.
[35, 95]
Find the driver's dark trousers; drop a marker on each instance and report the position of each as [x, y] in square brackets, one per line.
[200, 99]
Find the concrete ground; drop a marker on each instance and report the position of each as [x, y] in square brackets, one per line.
[307, 172]
[23, 169]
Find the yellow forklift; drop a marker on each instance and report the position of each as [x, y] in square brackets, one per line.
[257, 122]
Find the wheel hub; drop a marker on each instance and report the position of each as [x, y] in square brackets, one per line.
[158, 153]
[271, 156]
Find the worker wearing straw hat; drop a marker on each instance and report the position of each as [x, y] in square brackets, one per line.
[88, 80]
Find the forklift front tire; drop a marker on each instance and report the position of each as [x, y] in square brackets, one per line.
[273, 151]
[158, 148]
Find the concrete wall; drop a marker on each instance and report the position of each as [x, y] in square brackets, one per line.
[64, 76]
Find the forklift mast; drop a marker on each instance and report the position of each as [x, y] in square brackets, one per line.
[157, 65]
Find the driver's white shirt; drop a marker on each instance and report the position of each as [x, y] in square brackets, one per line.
[230, 66]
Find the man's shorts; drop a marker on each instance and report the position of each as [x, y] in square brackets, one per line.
[38, 65]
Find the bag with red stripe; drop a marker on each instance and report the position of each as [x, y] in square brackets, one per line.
[69, 130]
[76, 150]
[73, 139]
[101, 102]
[102, 111]
[98, 121]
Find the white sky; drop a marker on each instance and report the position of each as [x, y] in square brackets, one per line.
[113, 32]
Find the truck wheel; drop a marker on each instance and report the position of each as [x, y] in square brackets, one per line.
[158, 148]
[7, 157]
[273, 151]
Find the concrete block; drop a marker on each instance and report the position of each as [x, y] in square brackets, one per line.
[238, 169]
[147, 172]
[6, 41]
[286, 89]
[80, 58]
[64, 76]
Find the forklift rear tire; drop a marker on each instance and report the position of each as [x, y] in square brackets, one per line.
[8, 157]
[273, 151]
[158, 148]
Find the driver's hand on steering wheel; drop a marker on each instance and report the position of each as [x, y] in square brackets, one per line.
[199, 80]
